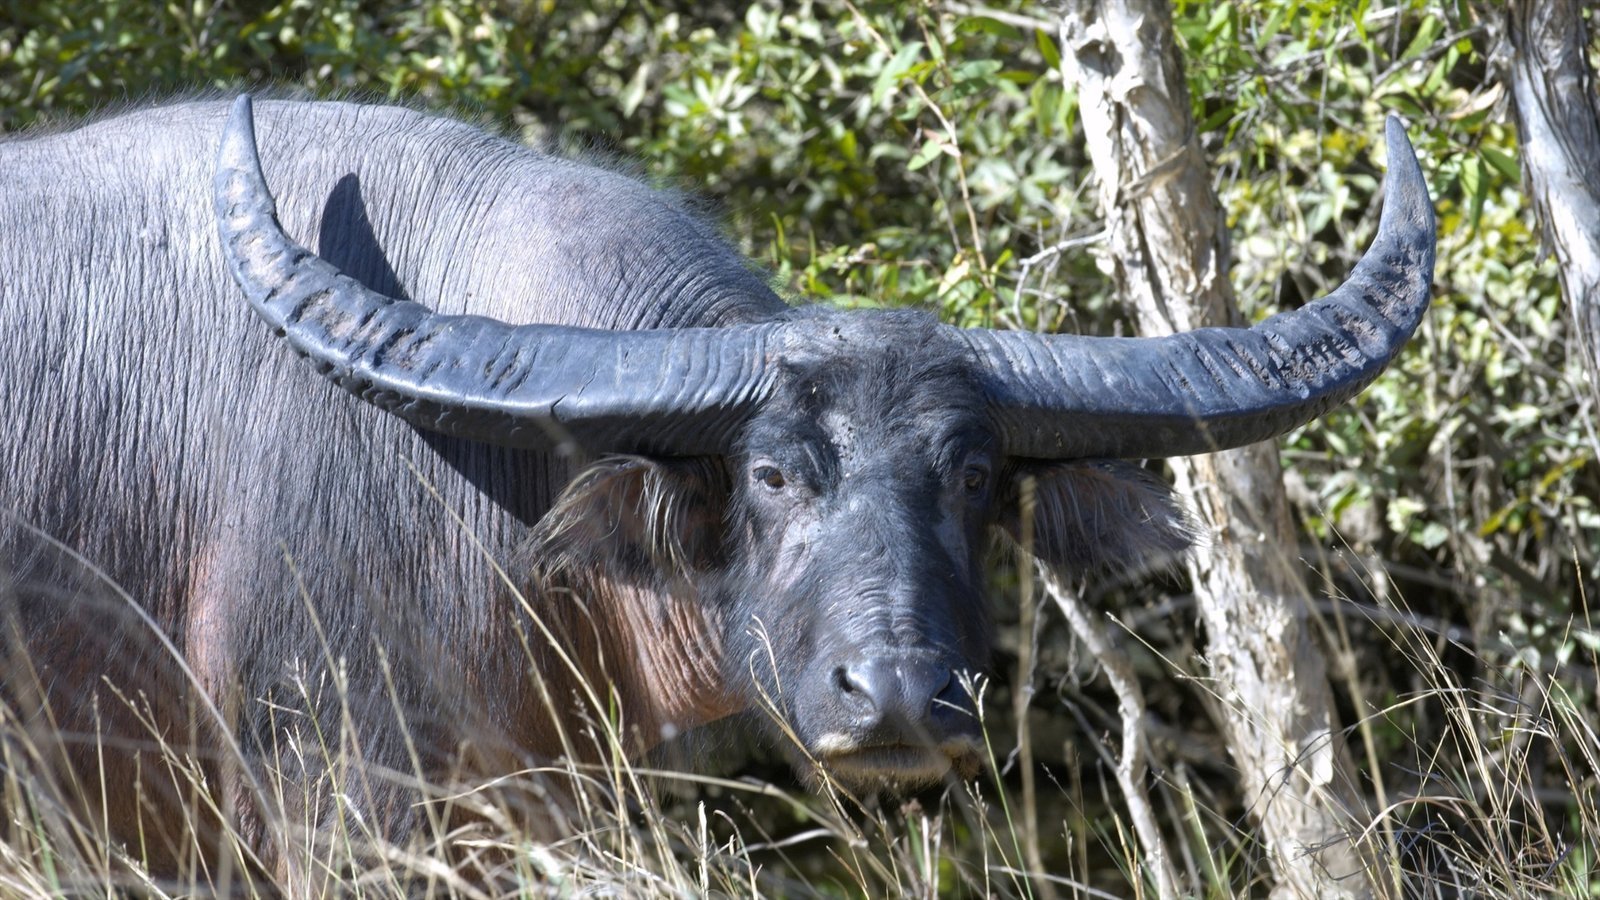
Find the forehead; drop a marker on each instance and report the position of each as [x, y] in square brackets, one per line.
[876, 377]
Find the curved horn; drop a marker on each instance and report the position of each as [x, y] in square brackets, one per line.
[681, 391]
[1065, 396]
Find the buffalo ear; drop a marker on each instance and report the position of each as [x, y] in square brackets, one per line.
[635, 515]
[1088, 517]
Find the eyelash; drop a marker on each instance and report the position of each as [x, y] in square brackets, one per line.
[975, 478]
[769, 476]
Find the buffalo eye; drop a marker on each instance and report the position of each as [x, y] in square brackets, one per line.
[975, 478]
[769, 476]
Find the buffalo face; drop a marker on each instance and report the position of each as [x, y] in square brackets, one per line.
[852, 597]
[864, 497]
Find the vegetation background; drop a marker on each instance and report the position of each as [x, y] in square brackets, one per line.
[901, 153]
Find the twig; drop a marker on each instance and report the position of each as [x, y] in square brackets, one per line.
[1081, 239]
[1015, 20]
[1134, 761]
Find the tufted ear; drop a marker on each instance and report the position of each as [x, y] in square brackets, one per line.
[633, 515]
[1095, 516]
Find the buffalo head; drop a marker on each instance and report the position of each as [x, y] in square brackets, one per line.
[824, 483]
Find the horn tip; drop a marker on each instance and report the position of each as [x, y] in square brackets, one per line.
[1402, 158]
[238, 149]
[1394, 129]
[1405, 188]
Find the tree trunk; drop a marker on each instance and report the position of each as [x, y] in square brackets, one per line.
[1558, 127]
[1167, 253]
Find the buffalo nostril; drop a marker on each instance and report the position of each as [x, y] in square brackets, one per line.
[945, 690]
[907, 690]
[842, 680]
[927, 687]
[862, 684]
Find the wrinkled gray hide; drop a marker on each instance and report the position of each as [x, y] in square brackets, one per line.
[156, 426]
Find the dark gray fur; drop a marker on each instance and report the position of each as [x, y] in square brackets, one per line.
[160, 431]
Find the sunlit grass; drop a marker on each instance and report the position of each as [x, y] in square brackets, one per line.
[1489, 789]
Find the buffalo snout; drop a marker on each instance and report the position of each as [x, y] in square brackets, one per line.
[895, 720]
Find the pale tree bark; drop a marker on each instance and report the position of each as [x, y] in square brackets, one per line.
[1558, 128]
[1167, 254]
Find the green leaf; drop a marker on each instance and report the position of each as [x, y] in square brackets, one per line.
[633, 94]
[953, 276]
[1268, 31]
[1473, 187]
[987, 25]
[1426, 33]
[847, 146]
[1216, 119]
[1432, 535]
[975, 70]
[925, 154]
[1047, 49]
[1502, 163]
[889, 78]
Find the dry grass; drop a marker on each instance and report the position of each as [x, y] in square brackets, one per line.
[1484, 787]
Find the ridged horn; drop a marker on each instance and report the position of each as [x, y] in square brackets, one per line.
[1068, 396]
[675, 391]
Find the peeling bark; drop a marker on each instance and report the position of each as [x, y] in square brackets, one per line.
[1167, 254]
[1558, 129]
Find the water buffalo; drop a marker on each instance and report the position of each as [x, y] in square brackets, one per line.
[207, 541]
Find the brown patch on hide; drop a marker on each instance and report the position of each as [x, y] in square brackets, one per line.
[129, 751]
[615, 565]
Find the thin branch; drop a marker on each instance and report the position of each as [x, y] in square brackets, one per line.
[1133, 763]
